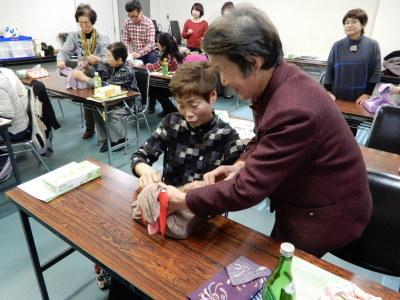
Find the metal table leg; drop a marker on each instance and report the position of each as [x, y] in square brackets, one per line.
[12, 157]
[33, 253]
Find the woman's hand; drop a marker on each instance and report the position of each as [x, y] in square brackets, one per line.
[362, 98]
[176, 198]
[61, 64]
[193, 185]
[394, 89]
[190, 31]
[78, 74]
[93, 59]
[147, 175]
[223, 172]
[149, 178]
[332, 96]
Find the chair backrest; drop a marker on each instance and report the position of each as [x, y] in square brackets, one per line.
[156, 27]
[176, 31]
[143, 82]
[378, 248]
[385, 132]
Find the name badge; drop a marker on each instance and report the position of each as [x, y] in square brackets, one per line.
[353, 48]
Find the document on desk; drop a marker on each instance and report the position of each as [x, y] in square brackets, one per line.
[310, 281]
[55, 183]
[245, 128]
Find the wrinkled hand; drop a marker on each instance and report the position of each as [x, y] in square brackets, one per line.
[78, 74]
[176, 197]
[394, 89]
[222, 172]
[193, 185]
[362, 98]
[93, 59]
[149, 178]
[61, 64]
[333, 97]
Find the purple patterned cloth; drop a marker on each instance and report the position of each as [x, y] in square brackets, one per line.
[372, 105]
[244, 270]
[72, 82]
[221, 287]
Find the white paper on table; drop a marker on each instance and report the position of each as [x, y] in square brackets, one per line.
[244, 128]
[310, 281]
[223, 115]
[38, 189]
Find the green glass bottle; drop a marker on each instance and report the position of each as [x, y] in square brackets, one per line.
[96, 80]
[164, 67]
[279, 285]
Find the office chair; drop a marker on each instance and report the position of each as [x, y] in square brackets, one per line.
[385, 133]
[176, 31]
[378, 248]
[137, 111]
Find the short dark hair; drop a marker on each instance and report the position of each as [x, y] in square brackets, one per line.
[85, 10]
[227, 6]
[133, 5]
[199, 7]
[242, 34]
[357, 13]
[194, 79]
[118, 50]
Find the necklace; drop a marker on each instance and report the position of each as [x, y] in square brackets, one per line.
[89, 47]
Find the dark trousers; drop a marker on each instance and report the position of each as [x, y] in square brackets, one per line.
[121, 291]
[20, 136]
[149, 58]
[162, 95]
[89, 119]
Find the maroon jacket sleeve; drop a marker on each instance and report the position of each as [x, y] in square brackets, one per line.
[292, 135]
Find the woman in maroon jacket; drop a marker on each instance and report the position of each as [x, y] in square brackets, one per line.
[303, 156]
[195, 28]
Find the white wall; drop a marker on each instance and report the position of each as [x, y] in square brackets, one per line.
[44, 19]
[306, 27]
[387, 26]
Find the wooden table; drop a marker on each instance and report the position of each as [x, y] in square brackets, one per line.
[96, 220]
[56, 85]
[160, 81]
[355, 114]
[381, 161]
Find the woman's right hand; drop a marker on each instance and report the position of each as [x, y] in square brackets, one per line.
[149, 178]
[190, 31]
[61, 64]
[222, 172]
[332, 96]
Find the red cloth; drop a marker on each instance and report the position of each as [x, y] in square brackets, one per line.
[173, 65]
[139, 37]
[305, 158]
[199, 31]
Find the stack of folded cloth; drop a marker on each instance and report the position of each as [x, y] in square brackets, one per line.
[241, 280]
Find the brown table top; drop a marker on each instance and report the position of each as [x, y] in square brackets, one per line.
[381, 161]
[352, 108]
[96, 219]
[57, 84]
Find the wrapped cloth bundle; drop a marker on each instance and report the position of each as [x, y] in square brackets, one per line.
[180, 224]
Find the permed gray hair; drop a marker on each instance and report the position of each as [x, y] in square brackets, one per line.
[245, 32]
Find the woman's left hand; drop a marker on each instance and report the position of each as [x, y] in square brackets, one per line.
[176, 198]
[362, 98]
[93, 59]
[78, 74]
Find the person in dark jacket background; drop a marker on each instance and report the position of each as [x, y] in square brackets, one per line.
[303, 157]
[354, 63]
